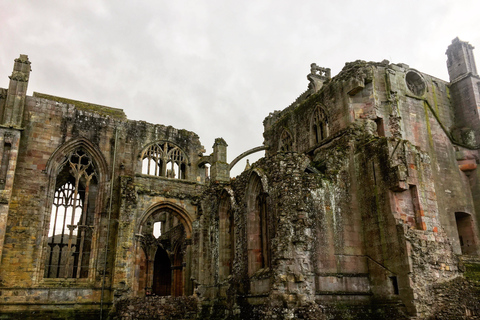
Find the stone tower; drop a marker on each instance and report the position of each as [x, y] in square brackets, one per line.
[464, 88]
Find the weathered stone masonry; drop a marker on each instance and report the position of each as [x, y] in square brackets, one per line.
[364, 206]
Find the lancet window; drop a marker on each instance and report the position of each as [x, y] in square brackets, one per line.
[71, 219]
[319, 126]
[257, 227]
[286, 142]
[164, 160]
[226, 237]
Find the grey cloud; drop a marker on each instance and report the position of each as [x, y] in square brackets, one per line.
[217, 67]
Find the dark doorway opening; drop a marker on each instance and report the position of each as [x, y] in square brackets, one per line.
[178, 273]
[162, 274]
[465, 233]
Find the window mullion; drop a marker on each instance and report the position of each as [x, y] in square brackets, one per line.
[82, 228]
[61, 244]
[52, 244]
[72, 223]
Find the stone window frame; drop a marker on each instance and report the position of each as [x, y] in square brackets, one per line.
[174, 156]
[319, 129]
[286, 143]
[71, 218]
[415, 83]
[227, 238]
[53, 168]
[258, 244]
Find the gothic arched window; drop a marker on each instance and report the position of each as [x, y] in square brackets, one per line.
[319, 128]
[72, 218]
[258, 245]
[286, 142]
[164, 160]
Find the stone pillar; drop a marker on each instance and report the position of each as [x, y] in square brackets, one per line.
[11, 114]
[460, 59]
[465, 94]
[12, 104]
[293, 274]
[464, 91]
[317, 77]
[219, 170]
[9, 143]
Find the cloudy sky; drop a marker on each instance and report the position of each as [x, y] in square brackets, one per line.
[218, 67]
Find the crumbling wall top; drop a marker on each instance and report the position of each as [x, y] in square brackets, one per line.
[103, 110]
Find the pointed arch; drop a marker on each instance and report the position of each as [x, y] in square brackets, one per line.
[164, 159]
[77, 174]
[58, 155]
[174, 241]
[258, 235]
[318, 125]
[226, 254]
[178, 211]
[286, 141]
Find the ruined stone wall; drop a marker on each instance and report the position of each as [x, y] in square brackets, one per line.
[427, 120]
[48, 126]
[53, 126]
[392, 187]
[367, 194]
[395, 101]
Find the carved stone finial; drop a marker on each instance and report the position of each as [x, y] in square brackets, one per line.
[19, 76]
[23, 59]
[247, 166]
[220, 141]
[317, 77]
[319, 71]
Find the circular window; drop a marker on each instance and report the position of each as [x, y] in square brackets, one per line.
[415, 83]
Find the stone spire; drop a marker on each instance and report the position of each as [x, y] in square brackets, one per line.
[11, 114]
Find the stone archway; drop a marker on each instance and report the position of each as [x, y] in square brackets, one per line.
[164, 235]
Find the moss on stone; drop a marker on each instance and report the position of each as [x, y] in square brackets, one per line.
[102, 110]
[472, 272]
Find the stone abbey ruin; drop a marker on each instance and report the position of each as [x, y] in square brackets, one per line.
[365, 206]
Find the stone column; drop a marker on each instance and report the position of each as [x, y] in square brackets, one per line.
[219, 170]
[465, 92]
[11, 115]
[12, 112]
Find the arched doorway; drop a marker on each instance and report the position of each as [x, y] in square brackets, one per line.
[164, 235]
[162, 274]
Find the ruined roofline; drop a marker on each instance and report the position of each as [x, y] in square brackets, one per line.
[103, 110]
[111, 112]
[344, 74]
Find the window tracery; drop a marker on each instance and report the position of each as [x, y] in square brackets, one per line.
[71, 220]
[286, 142]
[164, 160]
[319, 126]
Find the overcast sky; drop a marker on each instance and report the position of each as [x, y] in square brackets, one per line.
[218, 67]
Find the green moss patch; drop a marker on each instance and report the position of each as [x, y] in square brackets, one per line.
[472, 272]
[102, 110]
